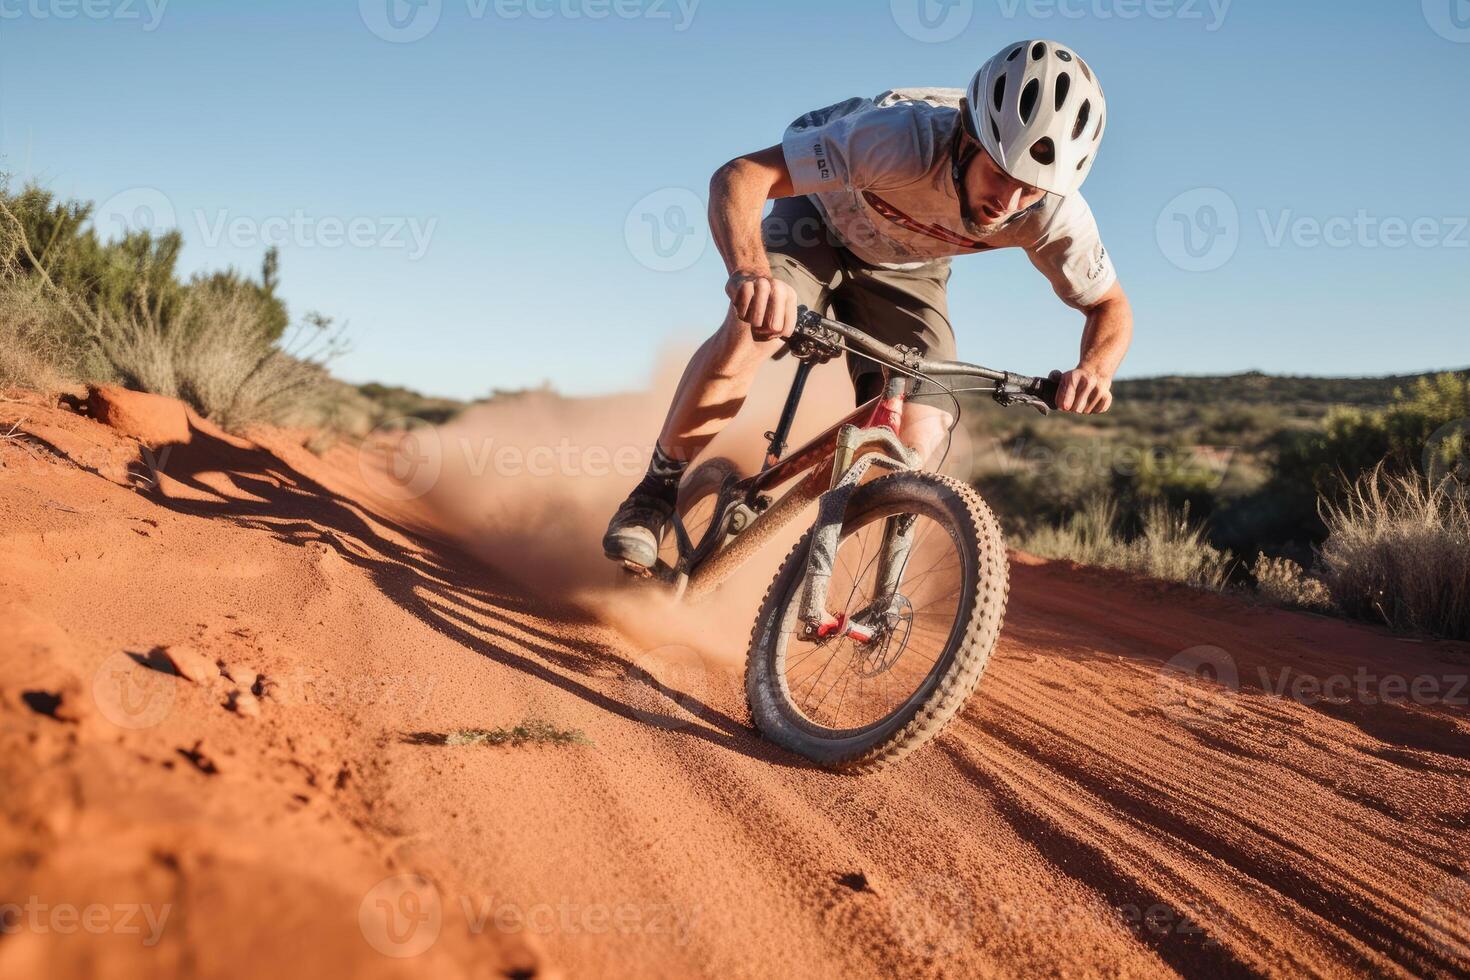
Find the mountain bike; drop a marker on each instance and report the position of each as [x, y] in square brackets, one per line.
[879, 623]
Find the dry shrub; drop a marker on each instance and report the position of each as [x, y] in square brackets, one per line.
[218, 350]
[1285, 583]
[1168, 546]
[1398, 552]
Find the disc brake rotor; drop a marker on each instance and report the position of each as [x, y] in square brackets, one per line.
[890, 639]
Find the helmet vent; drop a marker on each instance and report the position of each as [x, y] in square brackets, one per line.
[1000, 91]
[1029, 95]
[1085, 70]
[1064, 85]
[1083, 162]
[1098, 135]
[1044, 152]
[995, 130]
[1082, 116]
[1038, 51]
[1015, 51]
[1064, 55]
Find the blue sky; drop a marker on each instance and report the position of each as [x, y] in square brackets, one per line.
[479, 203]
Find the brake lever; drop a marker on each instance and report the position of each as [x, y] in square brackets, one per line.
[1008, 396]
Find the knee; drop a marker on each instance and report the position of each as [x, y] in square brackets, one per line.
[925, 432]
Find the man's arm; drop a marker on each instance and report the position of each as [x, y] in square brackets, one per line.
[738, 192]
[1087, 389]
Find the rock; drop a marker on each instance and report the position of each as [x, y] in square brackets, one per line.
[153, 420]
[239, 673]
[243, 703]
[188, 663]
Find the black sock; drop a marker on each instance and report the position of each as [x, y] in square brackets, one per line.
[663, 476]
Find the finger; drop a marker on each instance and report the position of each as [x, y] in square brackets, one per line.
[1095, 400]
[740, 302]
[788, 318]
[1067, 392]
[1104, 403]
[758, 301]
[1085, 389]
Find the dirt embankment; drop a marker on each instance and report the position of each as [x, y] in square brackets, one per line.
[228, 666]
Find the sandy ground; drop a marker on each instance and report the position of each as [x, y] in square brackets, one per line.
[226, 666]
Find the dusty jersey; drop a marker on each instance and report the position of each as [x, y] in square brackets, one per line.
[880, 171]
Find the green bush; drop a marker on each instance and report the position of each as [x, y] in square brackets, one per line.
[76, 308]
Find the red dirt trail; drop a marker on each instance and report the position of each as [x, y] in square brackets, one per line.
[290, 809]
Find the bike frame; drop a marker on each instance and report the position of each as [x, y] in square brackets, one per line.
[834, 462]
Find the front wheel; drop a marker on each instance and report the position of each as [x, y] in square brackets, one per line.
[919, 585]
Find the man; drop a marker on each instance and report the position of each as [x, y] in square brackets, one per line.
[874, 196]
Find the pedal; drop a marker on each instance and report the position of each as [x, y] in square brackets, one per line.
[635, 570]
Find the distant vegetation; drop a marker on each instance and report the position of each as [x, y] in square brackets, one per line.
[75, 308]
[1320, 492]
[1292, 484]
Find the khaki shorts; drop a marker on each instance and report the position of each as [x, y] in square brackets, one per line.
[895, 306]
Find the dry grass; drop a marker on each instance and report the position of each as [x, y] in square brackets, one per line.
[214, 354]
[532, 731]
[1168, 546]
[1283, 582]
[1398, 551]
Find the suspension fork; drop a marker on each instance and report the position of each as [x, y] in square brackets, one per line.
[898, 541]
[857, 450]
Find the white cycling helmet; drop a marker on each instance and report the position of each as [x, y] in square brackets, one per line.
[1038, 110]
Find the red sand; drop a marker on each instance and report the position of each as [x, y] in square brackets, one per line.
[290, 816]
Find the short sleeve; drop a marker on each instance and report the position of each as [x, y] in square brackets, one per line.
[855, 145]
[1071, 255]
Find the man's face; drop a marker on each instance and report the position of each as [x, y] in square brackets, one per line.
[994, 195]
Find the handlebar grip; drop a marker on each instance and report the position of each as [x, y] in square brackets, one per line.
[1048, 390]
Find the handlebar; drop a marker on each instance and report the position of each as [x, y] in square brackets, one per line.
[1010, 389]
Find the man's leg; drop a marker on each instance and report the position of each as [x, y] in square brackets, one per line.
[713, 387]
[710, 393]
[717, 379]
[908, 307]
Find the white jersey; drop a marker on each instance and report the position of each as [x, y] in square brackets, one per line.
[880, 171]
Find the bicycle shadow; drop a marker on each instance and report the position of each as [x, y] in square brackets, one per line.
[434, 581]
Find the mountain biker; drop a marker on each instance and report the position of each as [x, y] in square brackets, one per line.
[873, 198]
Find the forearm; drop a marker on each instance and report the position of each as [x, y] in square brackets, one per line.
[737, 198]
[1107, 334]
